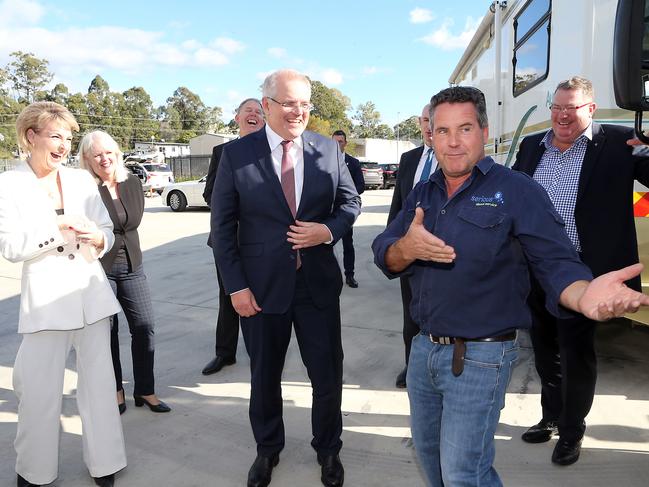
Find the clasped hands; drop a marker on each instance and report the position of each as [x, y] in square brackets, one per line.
[81, 229]
[302, 235]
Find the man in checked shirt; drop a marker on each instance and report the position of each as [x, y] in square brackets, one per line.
[588, 170]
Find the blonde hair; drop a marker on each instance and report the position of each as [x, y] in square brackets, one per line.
[85, 155]
[37, 115]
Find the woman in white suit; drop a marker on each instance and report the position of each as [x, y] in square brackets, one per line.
[52, 219]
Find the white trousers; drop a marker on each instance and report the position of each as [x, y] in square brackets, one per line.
[38, 383]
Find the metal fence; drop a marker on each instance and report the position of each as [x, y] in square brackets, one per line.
[7, 164]
[189, 167]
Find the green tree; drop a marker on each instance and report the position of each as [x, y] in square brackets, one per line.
[409, 129]
[28, 74]
[139, 115]
[59, 94]
[368, 122]
[329, 105]
[8, 110]
[186, 116]
[99, 86]
[320, 126]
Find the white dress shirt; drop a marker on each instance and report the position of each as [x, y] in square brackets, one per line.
[296, 152]
[420, 166]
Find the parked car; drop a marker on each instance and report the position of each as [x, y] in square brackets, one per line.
[372, 174]
[152, 175]
[178, 196]
[389, 175]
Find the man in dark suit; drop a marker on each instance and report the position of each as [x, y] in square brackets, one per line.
[416, 165]
[250, 118]
[285, 195]
[588, 171]
[354, 166]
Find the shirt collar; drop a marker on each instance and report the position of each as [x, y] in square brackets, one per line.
[274, 140]
[587, 133]
[484, 165]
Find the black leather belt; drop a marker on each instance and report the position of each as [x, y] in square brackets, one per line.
[459, 347]
[451, 340]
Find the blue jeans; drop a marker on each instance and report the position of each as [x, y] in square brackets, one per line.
[454, 419]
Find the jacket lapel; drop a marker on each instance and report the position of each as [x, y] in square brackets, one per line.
[265, 162]
[310, 168]
[409, 178]
[593, 151]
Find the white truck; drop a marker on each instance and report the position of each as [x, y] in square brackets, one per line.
[523, 48]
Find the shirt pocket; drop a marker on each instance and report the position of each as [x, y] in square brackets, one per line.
[483, 232]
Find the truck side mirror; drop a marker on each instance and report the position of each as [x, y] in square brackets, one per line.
[631, 59]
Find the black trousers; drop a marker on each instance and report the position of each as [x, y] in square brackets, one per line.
[227, 324]
[349, 256]
[318, 336]
[132, 291]
[410, 328]
[564, 352]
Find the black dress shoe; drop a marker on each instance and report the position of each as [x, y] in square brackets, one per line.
[217, 363]
[333, 473]
[122, 407]
[566, 452]
[401, 379]
[105, 481]
[21, 482]
[351, 282]
[261, 470]
[540, 432]
[156, 408]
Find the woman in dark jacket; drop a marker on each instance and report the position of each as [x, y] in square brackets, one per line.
[124, 198]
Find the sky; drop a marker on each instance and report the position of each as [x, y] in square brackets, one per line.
[395, 53]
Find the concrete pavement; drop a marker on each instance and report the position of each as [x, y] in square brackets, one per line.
[206, 439]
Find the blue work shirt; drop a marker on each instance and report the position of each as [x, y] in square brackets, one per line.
[497, 221]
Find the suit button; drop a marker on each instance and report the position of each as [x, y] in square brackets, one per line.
[40, 246]
[77, 246]
[51, 239]
[71, 256]
[60, 249]
[46, 242]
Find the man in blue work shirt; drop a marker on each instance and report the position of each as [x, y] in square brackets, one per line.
[464, 237]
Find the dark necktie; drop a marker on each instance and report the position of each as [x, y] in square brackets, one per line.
[288, 176]
[425, 174]
[288, 184]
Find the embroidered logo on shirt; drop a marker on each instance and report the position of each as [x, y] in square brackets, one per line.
[495, 200]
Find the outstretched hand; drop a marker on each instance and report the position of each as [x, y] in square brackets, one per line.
[419, 243]
[608, 297]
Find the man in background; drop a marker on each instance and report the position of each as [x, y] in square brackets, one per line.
[354, 167]
[416, 165]
[249, 118]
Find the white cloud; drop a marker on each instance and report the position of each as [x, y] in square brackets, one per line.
[369, 70]
[277, 52]
[331, 76]
[93, 49]
[445, 39]
[227, 45]
[19, 12]
[421, 16]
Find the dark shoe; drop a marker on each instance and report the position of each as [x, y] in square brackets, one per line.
[333, 473]
[122, 407]
[541, 432]
[566, 452]
[105, 481]
[156, 408]
[217, 363]
[401, 378]
[261, 470]
[351, 282]
[21, 482]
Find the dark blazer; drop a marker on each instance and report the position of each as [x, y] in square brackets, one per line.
[211, 172]
[354, 166]
[604, 207]
[132, 196]
[256, 255]
[405, 179]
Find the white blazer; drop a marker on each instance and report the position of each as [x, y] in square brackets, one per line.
[63, 285]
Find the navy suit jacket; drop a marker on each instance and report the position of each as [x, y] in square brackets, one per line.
[405, 179]
[250, 218]
[604, 206]
[354, 166]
